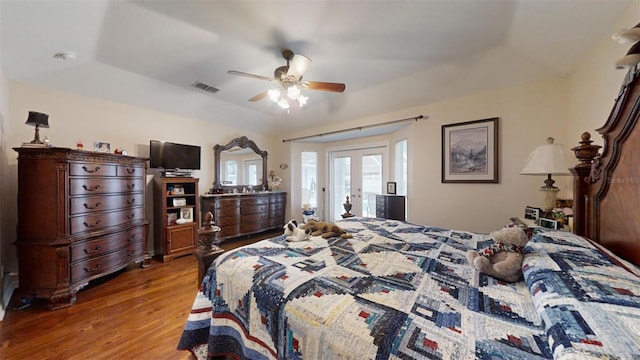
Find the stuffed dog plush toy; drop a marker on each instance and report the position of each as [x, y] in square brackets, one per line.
[294, 233]
[325, 229]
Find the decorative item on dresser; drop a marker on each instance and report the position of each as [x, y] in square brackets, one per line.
[245, 213]
[390, 207]
[81, 215]
[176, 207]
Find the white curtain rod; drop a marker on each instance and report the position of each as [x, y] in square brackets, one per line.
[416, 118]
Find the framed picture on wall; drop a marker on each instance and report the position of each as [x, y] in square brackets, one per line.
[470, 152]
[391, 187]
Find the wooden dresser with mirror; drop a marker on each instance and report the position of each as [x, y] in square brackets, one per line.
[238, 201]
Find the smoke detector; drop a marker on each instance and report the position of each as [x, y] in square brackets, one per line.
[65, 55]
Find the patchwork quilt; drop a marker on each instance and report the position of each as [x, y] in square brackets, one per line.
[404, 291]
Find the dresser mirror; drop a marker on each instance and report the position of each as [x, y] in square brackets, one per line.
[240, 163]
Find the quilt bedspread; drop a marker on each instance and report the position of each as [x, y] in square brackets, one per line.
[588, 298]
[393, 291]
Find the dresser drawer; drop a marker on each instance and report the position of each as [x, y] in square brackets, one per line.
[254, 227]
[226, 203]
[226, 220]
[255, 218]
[89, 186]
[254, 201]
[130, 171]
[106, 244]
[227, 211]
[87, 204]
[92, 222]
[91, 169]
[280, 198]
[277, 207]
[102, 264]
[256, 209]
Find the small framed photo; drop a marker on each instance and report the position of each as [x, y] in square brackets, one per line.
[186, 214]
[548, 223]
[391, 187]
[100, 146]
[171, 218]
[532, 213]
[178, 190]
[179, 202]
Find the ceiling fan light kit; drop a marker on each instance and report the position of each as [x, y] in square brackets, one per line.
[290, 79]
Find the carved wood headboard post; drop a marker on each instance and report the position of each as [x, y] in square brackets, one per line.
[585, 152]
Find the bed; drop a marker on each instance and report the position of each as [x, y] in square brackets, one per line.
[398, 290]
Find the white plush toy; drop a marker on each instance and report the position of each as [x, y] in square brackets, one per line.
[294, 233]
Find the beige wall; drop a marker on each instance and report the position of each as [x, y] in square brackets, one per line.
[594, 86]
[4, 115]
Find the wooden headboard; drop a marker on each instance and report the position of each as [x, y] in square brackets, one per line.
[606, 186]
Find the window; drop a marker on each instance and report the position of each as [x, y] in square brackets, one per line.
[231, 172]
[251, 172]
[309, 178]
[400, 170]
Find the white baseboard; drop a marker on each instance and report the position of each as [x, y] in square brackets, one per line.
[9, 285]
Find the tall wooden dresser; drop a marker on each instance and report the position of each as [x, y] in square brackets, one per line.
[81, 215]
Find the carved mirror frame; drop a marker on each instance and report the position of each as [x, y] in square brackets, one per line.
[241, 142]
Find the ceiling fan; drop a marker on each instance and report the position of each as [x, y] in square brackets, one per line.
[290, 79]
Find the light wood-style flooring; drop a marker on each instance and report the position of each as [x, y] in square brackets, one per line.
[133, 314]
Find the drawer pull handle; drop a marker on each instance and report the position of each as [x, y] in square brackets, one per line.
[130, 202]
[97, 223]
[95, 169]
[95, 268]
[88, 188]
[130, 217]
[131, 171]
[131, 186]
[97, 249]
[97, 205]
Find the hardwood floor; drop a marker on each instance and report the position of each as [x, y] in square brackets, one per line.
[133, 314]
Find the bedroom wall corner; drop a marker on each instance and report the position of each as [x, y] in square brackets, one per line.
[8, 283]
[595, 83]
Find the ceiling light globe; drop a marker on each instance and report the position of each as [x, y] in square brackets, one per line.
[293, 92]
[302, 100]
[274, 95]
[283, 103]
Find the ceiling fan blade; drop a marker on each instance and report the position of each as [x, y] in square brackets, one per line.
[299, 64]
[324, 86]
[259, 96]
[240, 73]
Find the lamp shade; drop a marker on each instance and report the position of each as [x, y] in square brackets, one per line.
[547, 159]
[38, 119]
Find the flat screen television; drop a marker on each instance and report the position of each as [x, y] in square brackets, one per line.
[172, 156]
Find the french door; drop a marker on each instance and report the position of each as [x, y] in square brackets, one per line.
[357, 174]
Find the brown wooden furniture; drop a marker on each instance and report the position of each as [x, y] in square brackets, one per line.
[245, 214]
[81, 215]
[175, 198]
[232, 148]
[390, 207]
[607, 186]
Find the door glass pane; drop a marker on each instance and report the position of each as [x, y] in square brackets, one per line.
[341, 184]
[371, 183]
[400, 171]
[309, 178]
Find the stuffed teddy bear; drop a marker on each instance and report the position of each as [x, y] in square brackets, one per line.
[294, 233]
[502, 260]
[325, 229]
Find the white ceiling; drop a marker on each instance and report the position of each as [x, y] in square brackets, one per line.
[390, 54]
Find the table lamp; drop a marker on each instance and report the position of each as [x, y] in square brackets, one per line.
[548, 159]
[38, 120]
